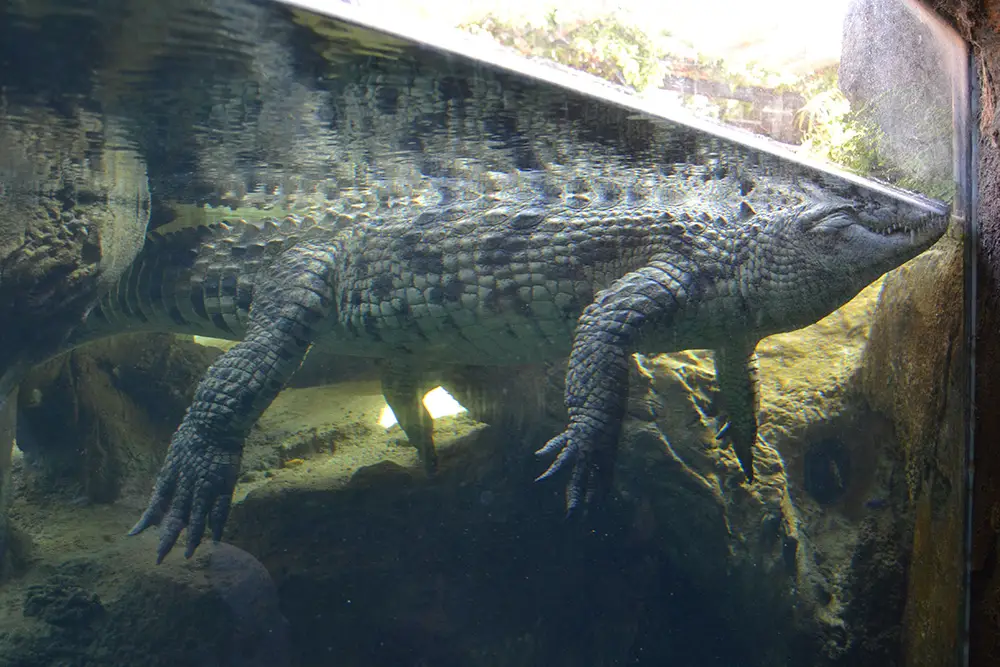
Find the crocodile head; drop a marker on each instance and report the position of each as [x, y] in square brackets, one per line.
[810, 260]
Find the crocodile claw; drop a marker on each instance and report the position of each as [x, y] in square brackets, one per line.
[193, 489]
[584, 448]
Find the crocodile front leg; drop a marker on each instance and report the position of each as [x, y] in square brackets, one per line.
[736, 375]
[195, 484]
[607, 334]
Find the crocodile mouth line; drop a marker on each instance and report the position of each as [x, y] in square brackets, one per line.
[900, 230]
[895, 229]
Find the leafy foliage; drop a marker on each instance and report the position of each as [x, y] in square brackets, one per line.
[833, 131]
[605, 47]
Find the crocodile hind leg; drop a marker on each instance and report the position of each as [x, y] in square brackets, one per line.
[403, 387]
[195, 485]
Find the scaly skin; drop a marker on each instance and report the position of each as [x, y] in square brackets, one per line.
[482, 283]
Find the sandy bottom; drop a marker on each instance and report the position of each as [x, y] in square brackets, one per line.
[314, 437]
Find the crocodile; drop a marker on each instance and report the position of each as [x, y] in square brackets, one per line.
[466, 215]
[485, 283]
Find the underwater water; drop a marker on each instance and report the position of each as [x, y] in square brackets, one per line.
[338, 287]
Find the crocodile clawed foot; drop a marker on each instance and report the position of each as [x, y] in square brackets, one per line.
[194, 489]
[584, 449]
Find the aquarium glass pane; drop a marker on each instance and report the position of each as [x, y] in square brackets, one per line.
[394, 333]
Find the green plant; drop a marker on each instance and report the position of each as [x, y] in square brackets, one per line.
[833, 131]
[606, 47]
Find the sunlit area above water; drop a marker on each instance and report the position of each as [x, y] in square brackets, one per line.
[438, 401]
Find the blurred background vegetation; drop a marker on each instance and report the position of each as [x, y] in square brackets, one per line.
[803, 109]
[733, 71]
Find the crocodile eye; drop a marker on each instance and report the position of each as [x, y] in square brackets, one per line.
[829, 216]
[834, 222]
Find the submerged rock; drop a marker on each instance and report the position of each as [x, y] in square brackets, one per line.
[915, 372]
[770, 554]
[61, 602]
[94, 424]
[112, 607]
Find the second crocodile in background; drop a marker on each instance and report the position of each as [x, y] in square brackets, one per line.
[555, 226]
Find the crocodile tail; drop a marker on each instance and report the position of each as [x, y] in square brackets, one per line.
[193, 280]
